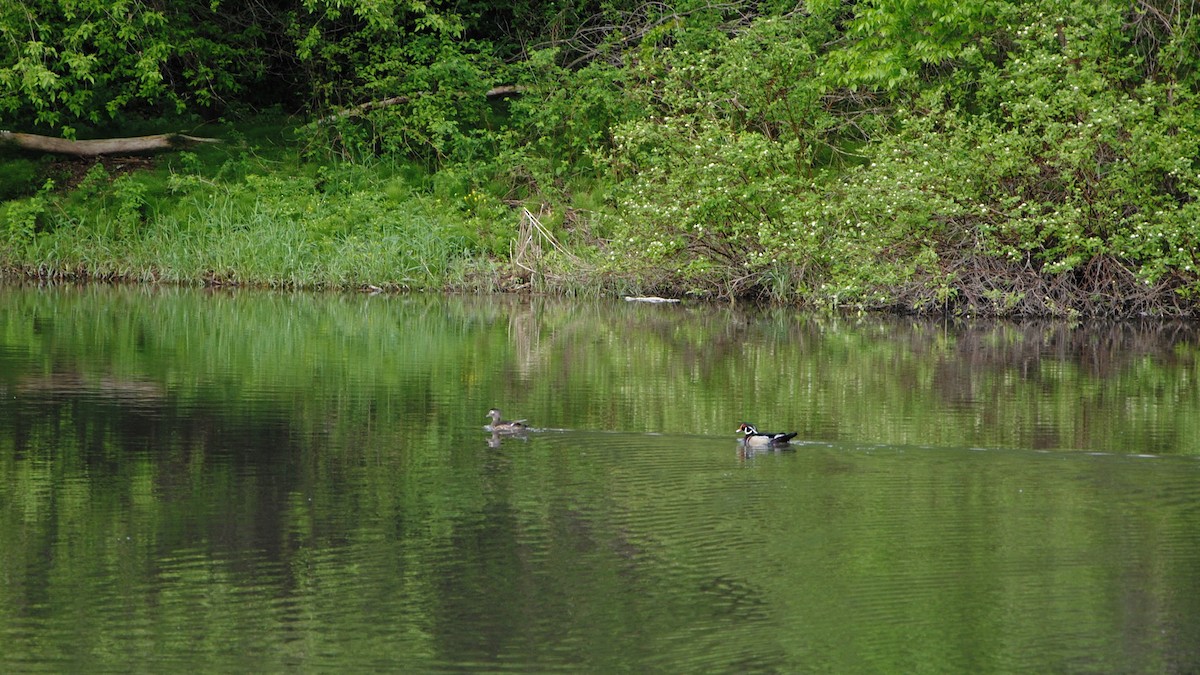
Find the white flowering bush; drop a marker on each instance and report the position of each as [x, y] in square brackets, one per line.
[1035, 169]
[1071, 180]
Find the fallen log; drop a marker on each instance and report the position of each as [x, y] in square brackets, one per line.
[102, 146]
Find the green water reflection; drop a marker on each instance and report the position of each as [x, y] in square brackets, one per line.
[253, 481]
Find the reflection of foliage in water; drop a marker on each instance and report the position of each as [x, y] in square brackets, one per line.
[417, 366]
[226, 450]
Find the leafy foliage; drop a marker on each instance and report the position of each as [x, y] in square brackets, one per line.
[18, 177]
[895, 44]
[63, 64]
[1037, 171]
[1011, 156]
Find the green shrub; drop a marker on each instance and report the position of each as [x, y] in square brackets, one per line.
[18, 177]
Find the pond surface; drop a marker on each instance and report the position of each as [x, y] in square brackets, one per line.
[237, 481]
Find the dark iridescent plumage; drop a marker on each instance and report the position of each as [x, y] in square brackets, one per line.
[753, 437]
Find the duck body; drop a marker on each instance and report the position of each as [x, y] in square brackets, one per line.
[504, 425]
[754, 438]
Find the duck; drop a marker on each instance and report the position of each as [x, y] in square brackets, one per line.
[500, 425]
[753, 437]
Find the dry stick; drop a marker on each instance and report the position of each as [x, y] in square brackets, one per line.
[530, 224]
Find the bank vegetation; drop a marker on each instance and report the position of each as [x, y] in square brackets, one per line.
[1007, 157]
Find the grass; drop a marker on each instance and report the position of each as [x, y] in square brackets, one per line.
[256, 211]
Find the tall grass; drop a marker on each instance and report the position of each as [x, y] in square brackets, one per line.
[260, 219]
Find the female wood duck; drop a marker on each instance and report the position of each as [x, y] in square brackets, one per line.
[498, 425]
[752, 437]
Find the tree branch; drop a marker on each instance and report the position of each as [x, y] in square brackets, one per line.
[503, 90]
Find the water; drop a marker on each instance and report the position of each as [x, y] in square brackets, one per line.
[263, 482]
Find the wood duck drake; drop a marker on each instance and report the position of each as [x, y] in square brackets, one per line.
[502, 425]
[752, 437]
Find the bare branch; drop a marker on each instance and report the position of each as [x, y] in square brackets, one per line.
[597, 35]
[494, 92]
